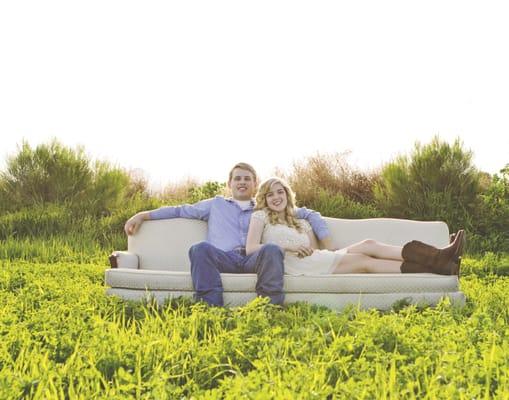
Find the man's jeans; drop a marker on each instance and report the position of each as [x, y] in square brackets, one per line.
[207, 262]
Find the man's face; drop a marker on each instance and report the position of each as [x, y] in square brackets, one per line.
[242, 184]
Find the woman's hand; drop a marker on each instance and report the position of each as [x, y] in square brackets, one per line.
[302, 251]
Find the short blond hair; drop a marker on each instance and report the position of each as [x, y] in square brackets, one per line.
[246, 167]
[261, 203]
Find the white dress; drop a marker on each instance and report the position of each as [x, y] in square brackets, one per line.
[320, 262]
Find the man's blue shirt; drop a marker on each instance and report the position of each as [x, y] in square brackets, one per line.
[228, 223]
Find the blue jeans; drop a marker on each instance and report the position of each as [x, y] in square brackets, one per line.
[207, 262]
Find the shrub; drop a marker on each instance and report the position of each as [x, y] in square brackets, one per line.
[339, 206]
[206, 191]
[491, 219]
[177, 192]
[330, 173]
[437, 182]
[53, 173]
[49, 174]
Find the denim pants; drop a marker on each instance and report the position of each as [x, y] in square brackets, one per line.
[207, 262]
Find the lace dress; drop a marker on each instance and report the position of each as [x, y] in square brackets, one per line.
[320, 262]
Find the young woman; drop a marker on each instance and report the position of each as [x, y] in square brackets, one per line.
[274, 221]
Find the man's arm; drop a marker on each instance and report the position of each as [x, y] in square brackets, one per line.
[200, 210]
[316, 221]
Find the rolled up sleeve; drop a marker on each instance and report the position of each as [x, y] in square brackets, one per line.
[316, 221]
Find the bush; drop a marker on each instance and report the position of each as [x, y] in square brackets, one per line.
[49, 174]
[338, 206]
[437, 182]
[53, 173]
[331, 174]
[491, 219]
[206, 191]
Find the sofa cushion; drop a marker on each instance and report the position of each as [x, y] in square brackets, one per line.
[348, 283]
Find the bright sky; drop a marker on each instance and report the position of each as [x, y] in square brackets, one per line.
[189, 88]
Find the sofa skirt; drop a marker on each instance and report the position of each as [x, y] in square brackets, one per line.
[335, 301]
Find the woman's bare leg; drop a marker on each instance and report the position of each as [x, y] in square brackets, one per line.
[376, 249]
[361, 263]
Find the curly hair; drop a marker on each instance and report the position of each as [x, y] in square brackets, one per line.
[289, 215]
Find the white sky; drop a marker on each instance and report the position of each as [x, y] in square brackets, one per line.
[189, 88]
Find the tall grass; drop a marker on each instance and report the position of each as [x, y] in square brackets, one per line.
[62, 337]
[330, 173]
[54, 249]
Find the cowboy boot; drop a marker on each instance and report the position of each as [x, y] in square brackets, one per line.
[442, 261]
[409, 267]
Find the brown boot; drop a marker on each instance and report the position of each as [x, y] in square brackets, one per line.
[442, 261]
[409, 267]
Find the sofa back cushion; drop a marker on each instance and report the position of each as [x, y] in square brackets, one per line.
[387, 230]
[164, 244]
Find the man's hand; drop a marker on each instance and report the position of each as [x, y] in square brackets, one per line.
[133, 224]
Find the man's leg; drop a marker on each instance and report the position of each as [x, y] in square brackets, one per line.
[268, 263]
[207, 262]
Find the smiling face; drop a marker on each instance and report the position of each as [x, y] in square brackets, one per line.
[276, 198]
[242, 184]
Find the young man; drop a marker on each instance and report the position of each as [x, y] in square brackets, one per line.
[224, 250]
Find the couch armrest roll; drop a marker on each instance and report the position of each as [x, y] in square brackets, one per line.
[123, 259]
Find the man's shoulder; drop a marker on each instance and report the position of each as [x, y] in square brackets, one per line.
[220, 201]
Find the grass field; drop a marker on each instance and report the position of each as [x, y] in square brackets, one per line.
[62, 337]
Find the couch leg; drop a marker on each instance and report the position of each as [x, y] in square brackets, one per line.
[113, 260]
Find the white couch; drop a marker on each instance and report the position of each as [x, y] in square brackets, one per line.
[157, 265]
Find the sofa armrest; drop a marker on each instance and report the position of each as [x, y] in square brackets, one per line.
[123, 259]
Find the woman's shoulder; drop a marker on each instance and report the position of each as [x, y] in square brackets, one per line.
[260, 215]
[305, 225]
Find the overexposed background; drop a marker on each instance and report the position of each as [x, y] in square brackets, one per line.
[187, 89]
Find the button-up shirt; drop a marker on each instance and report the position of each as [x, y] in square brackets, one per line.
[228, 223]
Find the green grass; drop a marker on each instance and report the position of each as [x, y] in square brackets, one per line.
[62, 337]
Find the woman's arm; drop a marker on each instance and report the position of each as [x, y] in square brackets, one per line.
[254, 235]
[326, 243]
[312, 240]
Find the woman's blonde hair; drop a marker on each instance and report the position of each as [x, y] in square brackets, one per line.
[289, 215]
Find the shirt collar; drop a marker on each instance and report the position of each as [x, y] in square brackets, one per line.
[231, 200]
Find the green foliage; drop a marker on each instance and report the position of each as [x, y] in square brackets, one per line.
[206, 191]
[338, 206]
[491, 218]
[39, 220]
[50, 173]
[53, 173]
[437, 182]
[62, 337]
[489, 264]
[53, 190]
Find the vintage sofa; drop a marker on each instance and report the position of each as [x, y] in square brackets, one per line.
[157, 265]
